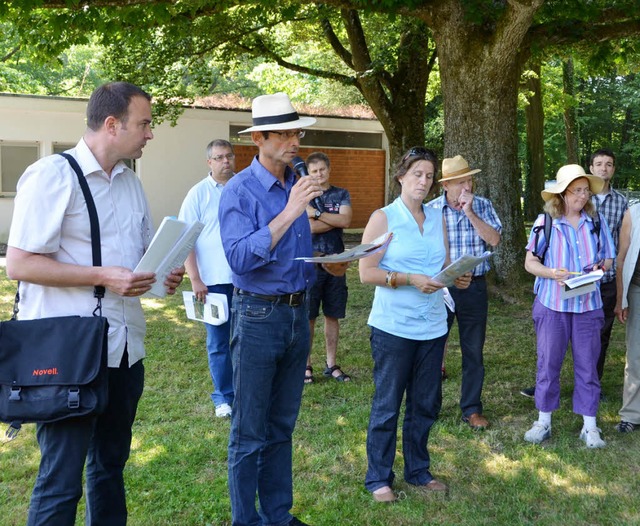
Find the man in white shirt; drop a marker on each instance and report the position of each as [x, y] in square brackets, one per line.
[49, 252]
[208, 268]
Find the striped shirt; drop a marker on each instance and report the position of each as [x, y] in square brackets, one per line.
[573, 250]
[463, 238]
[612, 207]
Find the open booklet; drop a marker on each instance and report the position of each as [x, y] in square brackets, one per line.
[352, 254]
[460, 266]
[580, 285]
[168, 250]
[215, 309]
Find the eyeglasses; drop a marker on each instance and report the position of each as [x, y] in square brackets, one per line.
[581, 192]
[418, 150]
[289, 134]
[228, 157]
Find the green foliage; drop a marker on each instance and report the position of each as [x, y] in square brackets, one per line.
[74, 72]
[608, 117]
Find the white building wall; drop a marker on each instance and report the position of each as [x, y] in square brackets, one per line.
[172, 162]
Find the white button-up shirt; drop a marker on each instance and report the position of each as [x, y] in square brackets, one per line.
[51, 218]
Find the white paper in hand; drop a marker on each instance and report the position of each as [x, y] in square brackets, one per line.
[215, 309]
[168, 250]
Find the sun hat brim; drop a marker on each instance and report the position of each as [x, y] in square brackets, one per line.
[300, 122]
[596, 184]
[444, 178]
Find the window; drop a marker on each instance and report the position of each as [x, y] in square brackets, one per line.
[59, 147]
[14, 159]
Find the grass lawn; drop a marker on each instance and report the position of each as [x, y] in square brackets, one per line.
[177, 472]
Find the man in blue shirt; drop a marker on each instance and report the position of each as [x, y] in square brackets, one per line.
[472, 228]
[264, 228]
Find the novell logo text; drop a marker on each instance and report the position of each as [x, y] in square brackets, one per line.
[45, 372]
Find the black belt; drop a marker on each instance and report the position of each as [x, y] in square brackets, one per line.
[295, 299]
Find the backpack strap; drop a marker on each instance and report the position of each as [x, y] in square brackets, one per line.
[596, 231]
[546, 227]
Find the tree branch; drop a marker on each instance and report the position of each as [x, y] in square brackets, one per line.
[574, 31]
[261, 49]
[11, 53]
[335, 43]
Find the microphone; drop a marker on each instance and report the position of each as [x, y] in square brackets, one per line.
[301, 168]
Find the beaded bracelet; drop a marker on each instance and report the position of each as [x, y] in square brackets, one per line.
[392, 280]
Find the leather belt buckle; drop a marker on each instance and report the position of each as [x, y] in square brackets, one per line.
[295, 299]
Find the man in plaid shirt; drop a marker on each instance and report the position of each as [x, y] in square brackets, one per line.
[472, 228]
[612, 205]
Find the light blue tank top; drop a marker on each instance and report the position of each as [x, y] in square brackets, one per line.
[406, 312]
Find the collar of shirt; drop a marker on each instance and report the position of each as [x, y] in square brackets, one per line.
[267, 179]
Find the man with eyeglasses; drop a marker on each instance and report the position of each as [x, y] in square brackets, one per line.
[208, 268]
[472, 228]
[264, 229]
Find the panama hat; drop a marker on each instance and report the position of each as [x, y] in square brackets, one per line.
[455, 168]
[569, 173]
[275, 112]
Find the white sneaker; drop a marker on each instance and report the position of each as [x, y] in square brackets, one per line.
[223, 411]
[538, 433]
[591, 437]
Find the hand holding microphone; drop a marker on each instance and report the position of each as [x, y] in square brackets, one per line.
[301, 169]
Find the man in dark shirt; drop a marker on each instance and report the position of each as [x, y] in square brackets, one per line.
[327, 224]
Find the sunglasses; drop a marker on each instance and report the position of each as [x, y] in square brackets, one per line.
[417, 151]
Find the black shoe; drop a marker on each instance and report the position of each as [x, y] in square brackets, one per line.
[296, 522]
[529, 392]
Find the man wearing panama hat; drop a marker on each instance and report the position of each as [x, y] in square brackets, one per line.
[472, 228]
[264, 228]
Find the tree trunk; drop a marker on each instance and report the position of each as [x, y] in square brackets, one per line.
[570, 120]
[534, 114]
[398, 101]
[480, 79]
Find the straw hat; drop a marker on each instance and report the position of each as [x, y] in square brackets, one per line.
[456, 168]
[569, 173]
[275, 112]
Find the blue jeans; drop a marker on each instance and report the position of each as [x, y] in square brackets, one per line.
[104, 443]
[219, 354]
[402, 365]
[472, 305]
[269, 347]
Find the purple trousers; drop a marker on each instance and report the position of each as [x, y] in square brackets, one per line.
[554, 331]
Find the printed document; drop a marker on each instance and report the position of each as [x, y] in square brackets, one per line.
[581, 284]
[168, 250]
[215, 309]
[352, 254]
[460, 266]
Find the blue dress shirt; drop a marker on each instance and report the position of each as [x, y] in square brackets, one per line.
[249, 202]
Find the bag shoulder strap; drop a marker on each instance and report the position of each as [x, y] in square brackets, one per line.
[98, 291]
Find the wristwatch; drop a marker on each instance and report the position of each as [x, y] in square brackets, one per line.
[317, 214]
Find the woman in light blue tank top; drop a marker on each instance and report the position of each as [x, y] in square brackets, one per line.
[408, 327]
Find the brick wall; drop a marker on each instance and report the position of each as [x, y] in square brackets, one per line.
[362, 172]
